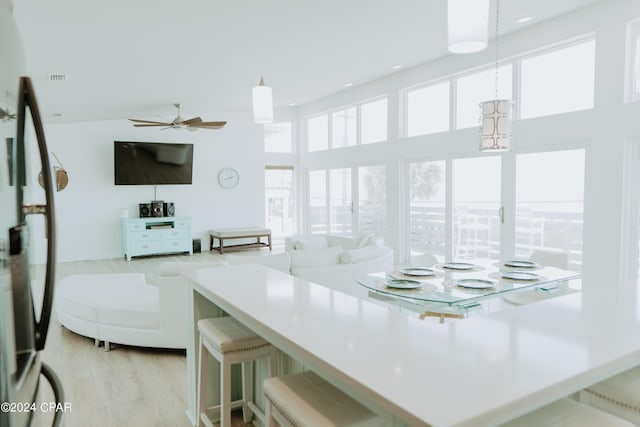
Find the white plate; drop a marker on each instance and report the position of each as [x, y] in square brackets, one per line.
[458, 266]
[520, 263]
[417, 271]
[475, 283]
[519, 275]
[402, 284]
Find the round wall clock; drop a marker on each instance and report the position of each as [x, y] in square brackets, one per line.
[228, 177]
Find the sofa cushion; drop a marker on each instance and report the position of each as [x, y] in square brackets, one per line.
[311, 243]
[354, 256]
[315, 258]
[280, 262]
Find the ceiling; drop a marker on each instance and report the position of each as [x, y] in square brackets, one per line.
[126, 58]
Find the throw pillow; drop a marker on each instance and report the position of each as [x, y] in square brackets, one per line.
[317, 258]
[355, 256]
[311, 243]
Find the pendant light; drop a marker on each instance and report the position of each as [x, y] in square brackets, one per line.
[262, 103]
[496, 114]
[467, 25]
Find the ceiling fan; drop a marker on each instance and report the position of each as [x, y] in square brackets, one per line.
[5, 116]
[180, 123]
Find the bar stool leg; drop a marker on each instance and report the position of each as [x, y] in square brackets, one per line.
[225, 394]
[202, 375]
[273, 363]
[247, 414]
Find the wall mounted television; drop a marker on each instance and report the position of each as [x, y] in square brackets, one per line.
[152, 163]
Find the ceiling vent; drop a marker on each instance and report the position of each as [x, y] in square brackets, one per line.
[56, 115]
[58, 77]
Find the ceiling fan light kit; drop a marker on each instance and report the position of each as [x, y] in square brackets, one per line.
[179, 123]
[467, 25]
[262, 103]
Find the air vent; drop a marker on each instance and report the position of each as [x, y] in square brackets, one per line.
[58, 77]
[56, 115]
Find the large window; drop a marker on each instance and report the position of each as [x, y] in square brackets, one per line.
[428, 109]
[559, 81]
[344, 128]
[318, 220]
[372, 199]
[364, 123]
[348, 201]
[475, 88]
[279, 201]
[427, 213]
[318, 132]
[476, 206]
[549, 203]
[373, 121]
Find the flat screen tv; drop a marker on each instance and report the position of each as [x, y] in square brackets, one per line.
[152, 163]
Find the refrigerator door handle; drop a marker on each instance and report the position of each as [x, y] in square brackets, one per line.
[27, 98]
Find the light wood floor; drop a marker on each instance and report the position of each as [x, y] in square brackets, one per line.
[127, 386]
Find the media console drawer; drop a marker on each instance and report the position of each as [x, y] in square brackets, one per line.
[151, 236]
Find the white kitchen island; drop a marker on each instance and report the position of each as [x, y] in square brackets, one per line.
[484, 370]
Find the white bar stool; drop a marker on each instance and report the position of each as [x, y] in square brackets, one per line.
[230, 342]
[306, 400]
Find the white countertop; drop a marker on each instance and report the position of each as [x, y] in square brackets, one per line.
[479, 371]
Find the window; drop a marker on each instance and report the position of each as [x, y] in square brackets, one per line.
[277, 138]
[372, 203]
[476, 202]
[427, 213]
[428, 109]
[318, 132]
[475, 88]
[340, 206]
[373, 121]
[559, 81]
[279, 201]
[318, 202]
[344, 130]
[549, 204]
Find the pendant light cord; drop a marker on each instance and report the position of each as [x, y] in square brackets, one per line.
[496, 42]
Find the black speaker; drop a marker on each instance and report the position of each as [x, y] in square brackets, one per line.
[169, 209]
[145, 210]
[157, 208]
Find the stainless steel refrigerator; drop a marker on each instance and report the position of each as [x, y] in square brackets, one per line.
[23, 326]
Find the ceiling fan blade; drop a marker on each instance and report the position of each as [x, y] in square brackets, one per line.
[149, 121]
[195, 120]
[138, 125]
[213, 124]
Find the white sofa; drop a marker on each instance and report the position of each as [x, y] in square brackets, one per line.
[336, 261]
[123, 308]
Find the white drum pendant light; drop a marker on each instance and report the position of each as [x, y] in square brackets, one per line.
[262, 103]
[496, 115]
[467, 25]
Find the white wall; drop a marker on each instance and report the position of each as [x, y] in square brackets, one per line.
[89, 209]
[602, 131]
